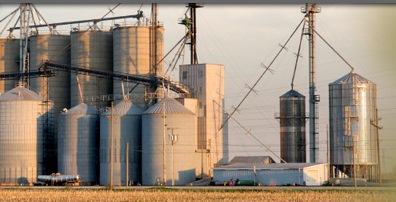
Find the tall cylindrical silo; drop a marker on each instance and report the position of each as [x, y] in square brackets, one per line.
[9, 62]
[57, 88]
[292, 126]
[54, 48]
[25, 118]
[127, 130]
[91, 49]
[78, 143]
[352, 108]
[132, 48]
[179, 124]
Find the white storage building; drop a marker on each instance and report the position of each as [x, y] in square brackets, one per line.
[274, 174]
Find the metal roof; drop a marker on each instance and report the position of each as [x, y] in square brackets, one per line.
[293, 93]
[171, 107]
[285, 166]
[81, 109]
[351, 78]
[125, 107]
[21, 93]
[252, 159]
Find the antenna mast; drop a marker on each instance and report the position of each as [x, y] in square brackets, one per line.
[310, 10]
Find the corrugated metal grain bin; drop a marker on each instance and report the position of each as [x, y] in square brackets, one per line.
[292, 127]
[9, 62]
[78, 143]
[92, 49]
[353, 104]
[179, 121]
[127, 129]
[24, 118]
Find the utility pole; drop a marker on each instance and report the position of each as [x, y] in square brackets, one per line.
[164, 145]
[173, 138]
[354, 160]
[375, 124]
[127, 164]
[111, 145]
[310, 10]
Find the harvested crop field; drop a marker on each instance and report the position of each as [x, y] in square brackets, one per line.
[191, 194]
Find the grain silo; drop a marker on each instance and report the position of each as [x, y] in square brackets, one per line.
[178, 127]
[55, 48]
[127, 133]
[91, 49]
[292, 127]
[353, 104]
[132, 55]
[25, 117]
[9, 62]
[78, 143]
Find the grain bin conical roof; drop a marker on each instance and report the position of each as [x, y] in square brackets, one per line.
[125, 107]
[171, 107]
[292, 93]
[81, 109]
[351, 78]
[21, 93]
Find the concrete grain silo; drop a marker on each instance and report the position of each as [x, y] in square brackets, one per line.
[9, 62]
[132, 55]
[127, 130]
[91, 49]
[353, 138]
[26, 119]
[78, 143]
[178, 127]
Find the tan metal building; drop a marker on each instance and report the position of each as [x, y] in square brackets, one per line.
[206, 84]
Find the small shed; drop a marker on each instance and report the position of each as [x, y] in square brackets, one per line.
[274, 174]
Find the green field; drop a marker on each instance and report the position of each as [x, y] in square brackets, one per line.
[195, 194]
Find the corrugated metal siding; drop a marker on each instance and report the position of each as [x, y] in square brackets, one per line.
[206, 83]
[352, 104]
[127, 128]
[184, 126]
[9, 62]
[23, 143]
[91, 49]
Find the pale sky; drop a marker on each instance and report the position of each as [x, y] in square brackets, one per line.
[243, 36]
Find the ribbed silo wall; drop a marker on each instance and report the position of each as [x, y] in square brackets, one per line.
[292, 126]
[127, 129]
[57, 88]
[23, 140]
[352, 107]
[78, 145]
[184, 125]
[132, 46]
[91, 49]
[9, 62]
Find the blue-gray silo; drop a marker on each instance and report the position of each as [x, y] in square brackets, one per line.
[57, 88]
[25, 117]
[78, 143]
[292, 127]
[9, 62]
[181, 122]
[352, 109]
[91, 49]
[132, 55]
[127, 129]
